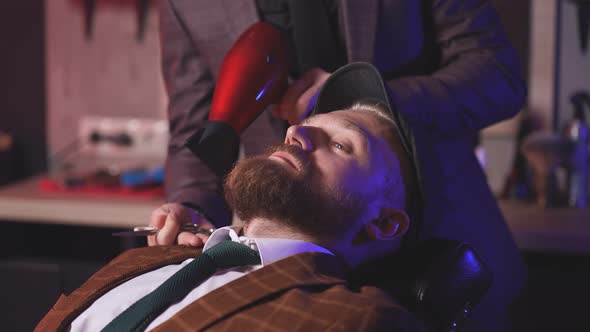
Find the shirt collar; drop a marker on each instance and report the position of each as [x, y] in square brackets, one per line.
[270, 249]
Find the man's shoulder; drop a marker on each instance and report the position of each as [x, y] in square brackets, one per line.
[132, 263]
[334, 307]
[136, 261]
[365, 298]
[124, 267]
[377, 310]
[156, 253]
[326, 300]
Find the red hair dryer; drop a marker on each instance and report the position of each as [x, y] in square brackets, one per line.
[253, 76]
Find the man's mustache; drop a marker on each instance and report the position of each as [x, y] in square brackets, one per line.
[300, 155]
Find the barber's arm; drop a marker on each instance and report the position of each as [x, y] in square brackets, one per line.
[478, 80]
[190, 86]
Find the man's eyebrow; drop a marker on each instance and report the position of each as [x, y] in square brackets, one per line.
[348, 125]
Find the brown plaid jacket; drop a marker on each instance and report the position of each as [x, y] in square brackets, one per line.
[304, 292]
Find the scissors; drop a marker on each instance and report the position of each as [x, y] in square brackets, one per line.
[146, 230]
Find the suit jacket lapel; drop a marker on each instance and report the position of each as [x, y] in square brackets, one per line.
[295, 271]
[126, 266]
[360, 23]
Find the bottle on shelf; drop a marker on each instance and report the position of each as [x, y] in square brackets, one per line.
[577, 132]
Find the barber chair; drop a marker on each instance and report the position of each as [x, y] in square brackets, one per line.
[440, 281]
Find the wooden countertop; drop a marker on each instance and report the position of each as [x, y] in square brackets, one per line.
[549, 230]
[24, 202]
[555, 230]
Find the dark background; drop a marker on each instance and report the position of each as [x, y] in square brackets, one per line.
[22, 83]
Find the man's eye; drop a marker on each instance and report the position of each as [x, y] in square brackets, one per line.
[345, 148]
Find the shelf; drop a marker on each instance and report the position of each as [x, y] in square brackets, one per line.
[24, 202]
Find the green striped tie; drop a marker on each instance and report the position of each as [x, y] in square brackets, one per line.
[225, 254]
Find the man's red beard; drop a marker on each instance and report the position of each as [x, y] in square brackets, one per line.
[260, 187]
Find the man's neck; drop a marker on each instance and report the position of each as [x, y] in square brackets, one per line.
[265, 228]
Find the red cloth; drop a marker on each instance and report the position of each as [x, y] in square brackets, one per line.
[47, 184]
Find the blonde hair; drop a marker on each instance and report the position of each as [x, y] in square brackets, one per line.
[400, 193]
[375, 107]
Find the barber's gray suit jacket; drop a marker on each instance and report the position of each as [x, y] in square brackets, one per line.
[450, 71]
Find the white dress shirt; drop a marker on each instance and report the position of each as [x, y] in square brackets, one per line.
[117, 300]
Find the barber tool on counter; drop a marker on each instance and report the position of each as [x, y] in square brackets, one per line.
[253, 75]
[518, 184]
[546, 153]
[577, 133]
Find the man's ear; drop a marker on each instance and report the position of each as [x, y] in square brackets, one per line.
[390, 225]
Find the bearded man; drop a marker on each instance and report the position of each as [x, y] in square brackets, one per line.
[332, 197]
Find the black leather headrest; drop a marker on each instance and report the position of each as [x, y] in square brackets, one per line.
[438, 280]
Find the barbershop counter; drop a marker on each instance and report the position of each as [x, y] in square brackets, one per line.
[548, 230]
[559, 230]
[24, 202]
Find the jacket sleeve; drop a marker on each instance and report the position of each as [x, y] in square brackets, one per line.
[478, 80]
[190, 86]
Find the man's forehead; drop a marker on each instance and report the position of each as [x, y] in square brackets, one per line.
[339, 122]
[334, 115]
[359, 120]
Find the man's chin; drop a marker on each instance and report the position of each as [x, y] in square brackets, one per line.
[266, 188]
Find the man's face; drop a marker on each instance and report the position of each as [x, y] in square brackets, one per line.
[323, 180]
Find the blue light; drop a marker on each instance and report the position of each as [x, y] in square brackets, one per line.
[470, 262]
[263, 90]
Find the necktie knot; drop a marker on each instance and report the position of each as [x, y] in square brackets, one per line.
[228, 254]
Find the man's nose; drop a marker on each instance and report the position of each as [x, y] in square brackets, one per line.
[299, 135]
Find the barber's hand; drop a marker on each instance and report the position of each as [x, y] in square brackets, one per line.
[299, 99]
[168, 219]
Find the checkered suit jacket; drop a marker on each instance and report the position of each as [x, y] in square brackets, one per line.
[304, 292]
